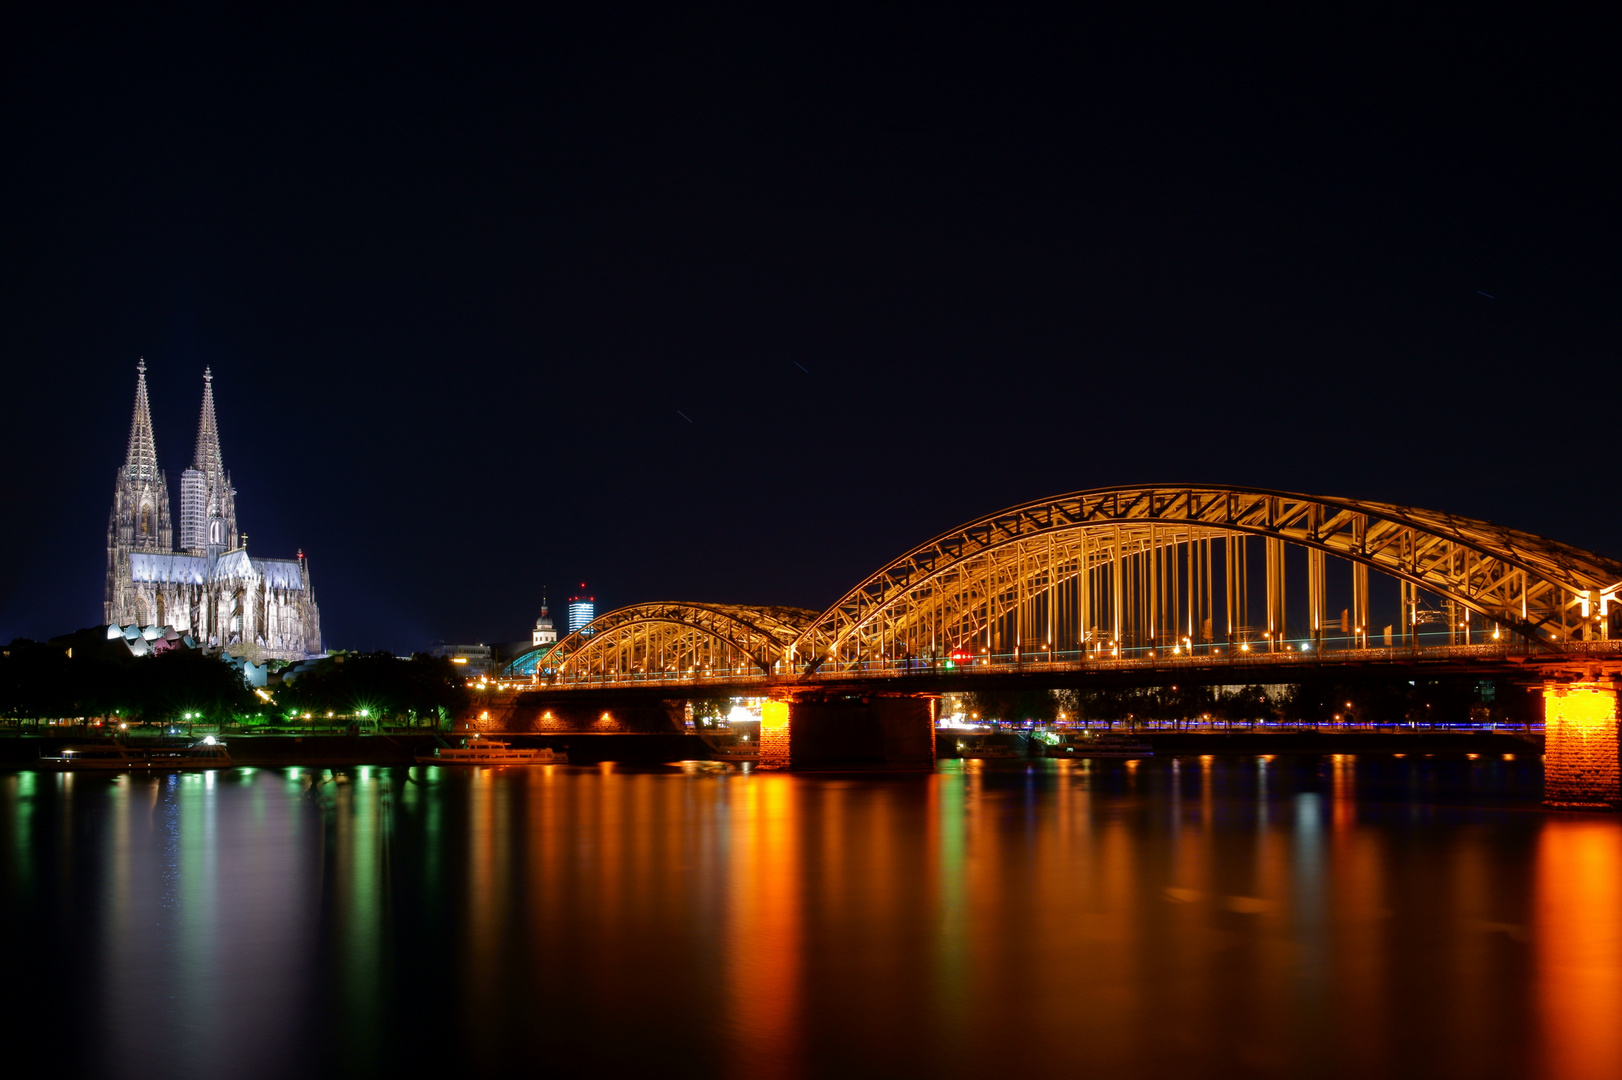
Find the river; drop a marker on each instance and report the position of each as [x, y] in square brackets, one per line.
[1199, 917]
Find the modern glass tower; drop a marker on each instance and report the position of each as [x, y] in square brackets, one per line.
[582, 609]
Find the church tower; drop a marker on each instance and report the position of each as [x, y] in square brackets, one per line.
[544, 633]
[140, 517]
[208, 514]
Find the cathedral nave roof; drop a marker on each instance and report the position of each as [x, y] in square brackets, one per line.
[169, 567]
[280, 573]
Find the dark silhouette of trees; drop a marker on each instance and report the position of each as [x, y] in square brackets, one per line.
[424, 688]
[82, 676]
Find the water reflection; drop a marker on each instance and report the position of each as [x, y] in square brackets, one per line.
[1578, 940]
[1214, 916]
[763, 920]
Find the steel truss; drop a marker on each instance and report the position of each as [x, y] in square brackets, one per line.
[666, 640]
[1098, 574]
[1100, 570]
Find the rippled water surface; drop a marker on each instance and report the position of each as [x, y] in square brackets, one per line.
[1366, 916]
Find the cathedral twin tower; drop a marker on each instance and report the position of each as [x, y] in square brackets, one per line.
[210, 588]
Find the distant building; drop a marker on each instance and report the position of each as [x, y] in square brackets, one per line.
[478, 659]
[544, 633]
[582, 609]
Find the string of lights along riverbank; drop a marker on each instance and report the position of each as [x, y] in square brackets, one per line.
[210, 587]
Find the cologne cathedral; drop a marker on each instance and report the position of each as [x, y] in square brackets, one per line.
[210, 588]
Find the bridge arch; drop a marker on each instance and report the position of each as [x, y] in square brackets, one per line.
[664, 640]
[1135, 566]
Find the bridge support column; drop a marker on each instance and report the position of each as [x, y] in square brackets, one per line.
[775, 742]
[848, 731]
[1581, 745]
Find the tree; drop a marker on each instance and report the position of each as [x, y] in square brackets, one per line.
[189, 681]
[1014, 706]
[85, 674]
[383, 685]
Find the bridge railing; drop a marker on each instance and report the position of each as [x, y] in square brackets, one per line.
[1202, 655]
[727, 675]
[1167, 659]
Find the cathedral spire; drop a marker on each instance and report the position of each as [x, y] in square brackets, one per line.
[208, 518]
[139, 521]
[207, 460]
[141, 461]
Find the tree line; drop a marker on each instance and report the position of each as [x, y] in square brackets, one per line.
[42, 681]
[423, 689]
[1373, 700]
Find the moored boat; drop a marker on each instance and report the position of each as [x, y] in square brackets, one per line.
[481, 751]
[986, 748]
[730, 747]
[206, 753]
[1098, 744]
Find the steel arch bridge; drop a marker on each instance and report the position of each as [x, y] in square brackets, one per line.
[1141, 572]
[680, 640]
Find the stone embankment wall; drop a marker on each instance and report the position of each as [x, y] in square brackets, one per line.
[525, 714]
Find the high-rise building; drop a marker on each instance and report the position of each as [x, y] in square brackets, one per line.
[211, 588]
[582, 609]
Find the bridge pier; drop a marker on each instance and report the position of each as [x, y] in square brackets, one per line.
[1581, 768]
[775, 724]
[809, 732]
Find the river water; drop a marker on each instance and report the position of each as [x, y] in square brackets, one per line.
[1334, 917]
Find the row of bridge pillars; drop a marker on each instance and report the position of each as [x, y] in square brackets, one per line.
[1582, 734]
[1582, 737]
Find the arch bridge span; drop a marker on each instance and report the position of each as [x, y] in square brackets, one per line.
[1144, 573]
[679, 641]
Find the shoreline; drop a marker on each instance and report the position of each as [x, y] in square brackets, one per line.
[586, 748]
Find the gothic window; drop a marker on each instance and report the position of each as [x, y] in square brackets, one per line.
[146, 521]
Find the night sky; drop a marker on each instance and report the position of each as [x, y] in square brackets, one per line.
[736, 304]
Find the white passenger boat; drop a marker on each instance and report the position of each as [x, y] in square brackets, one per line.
[481, 751]
[206, 753]
[986, 748]
[730, 747]
[1098, 744]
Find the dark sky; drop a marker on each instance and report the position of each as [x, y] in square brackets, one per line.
[458, 281]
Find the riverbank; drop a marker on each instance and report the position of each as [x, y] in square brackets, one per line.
[269, 751]
[1242, 743]
[588, 748]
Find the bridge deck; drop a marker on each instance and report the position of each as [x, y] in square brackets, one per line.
[1201, 666]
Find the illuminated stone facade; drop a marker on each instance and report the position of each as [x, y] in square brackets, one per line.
[212, 588]
[1580, 756]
